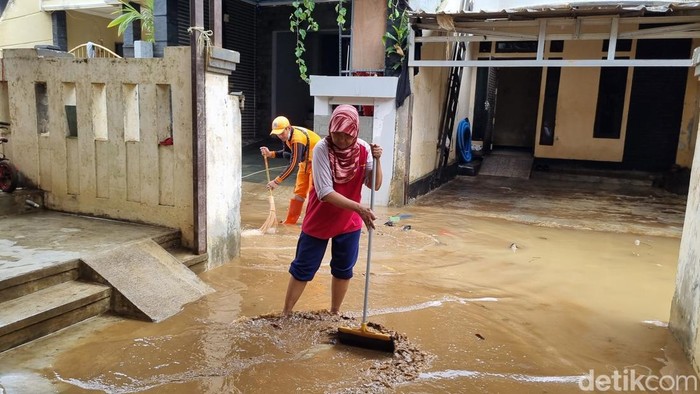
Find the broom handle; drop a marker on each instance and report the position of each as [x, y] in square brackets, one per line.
[267, 171]
[369, 244]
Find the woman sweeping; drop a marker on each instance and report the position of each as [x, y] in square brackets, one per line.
[342, 163]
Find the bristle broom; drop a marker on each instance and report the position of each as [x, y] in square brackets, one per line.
[366, 339]
[271, 221]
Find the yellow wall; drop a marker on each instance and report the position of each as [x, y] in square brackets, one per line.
[19, 15]
[576, 108]
[84, 27]
[428, 100]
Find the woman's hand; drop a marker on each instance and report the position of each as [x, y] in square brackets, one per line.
[376, 151]
[367, 216]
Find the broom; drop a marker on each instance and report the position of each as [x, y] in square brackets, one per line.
[271, 221]
[363, 336]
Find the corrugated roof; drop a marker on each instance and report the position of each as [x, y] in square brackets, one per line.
[569, 10]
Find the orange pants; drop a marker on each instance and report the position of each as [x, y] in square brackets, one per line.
[304, 181]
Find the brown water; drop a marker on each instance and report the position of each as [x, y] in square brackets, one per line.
[481, 305]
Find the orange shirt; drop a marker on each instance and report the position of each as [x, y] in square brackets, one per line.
[301, 145]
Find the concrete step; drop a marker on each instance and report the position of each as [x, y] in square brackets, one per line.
[170, 240]
[53, 297]
[30, 282]
[593, 177]
[27, 283]
[48, 310]
[195, 262]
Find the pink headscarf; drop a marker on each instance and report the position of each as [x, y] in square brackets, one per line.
[344, 162]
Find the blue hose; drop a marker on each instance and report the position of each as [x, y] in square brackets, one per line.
[464, 141]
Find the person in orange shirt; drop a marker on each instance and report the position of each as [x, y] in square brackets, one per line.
[298, 146]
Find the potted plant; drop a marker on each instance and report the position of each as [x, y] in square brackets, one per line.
[128, 15]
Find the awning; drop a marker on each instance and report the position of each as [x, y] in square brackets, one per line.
[103, 8]
[566, 22]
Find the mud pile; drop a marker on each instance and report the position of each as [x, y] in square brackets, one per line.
[308, 334]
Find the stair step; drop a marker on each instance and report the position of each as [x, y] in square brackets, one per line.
[195, 262]
[169, 240]
[30, 282]
[48, 310]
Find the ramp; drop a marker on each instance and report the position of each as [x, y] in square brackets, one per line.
[149, 283]
[512, 164]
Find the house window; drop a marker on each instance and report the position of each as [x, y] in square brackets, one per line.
[556, 46]
[485, 47]
[620, 46]
[611, 101]
[549, 108]
[516, 46]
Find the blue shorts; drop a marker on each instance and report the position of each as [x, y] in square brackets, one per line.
[310, 251]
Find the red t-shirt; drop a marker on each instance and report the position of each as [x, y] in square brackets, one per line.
[324, 220]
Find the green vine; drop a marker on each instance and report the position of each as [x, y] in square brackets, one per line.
[341, 11]
[301, 22]
[396, 41]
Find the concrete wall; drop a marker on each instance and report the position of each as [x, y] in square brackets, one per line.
[24, 25]
[685, 307]
[429, 88]
[115, 166]
[381, 128]
[223, 171]
[84, 27]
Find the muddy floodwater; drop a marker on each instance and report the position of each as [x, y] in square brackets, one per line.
[477, 303]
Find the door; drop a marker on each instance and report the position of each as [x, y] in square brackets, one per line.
[518, 92]
[653, 125]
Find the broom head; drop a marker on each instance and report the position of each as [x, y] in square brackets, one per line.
[365, 338]
[271, 221]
